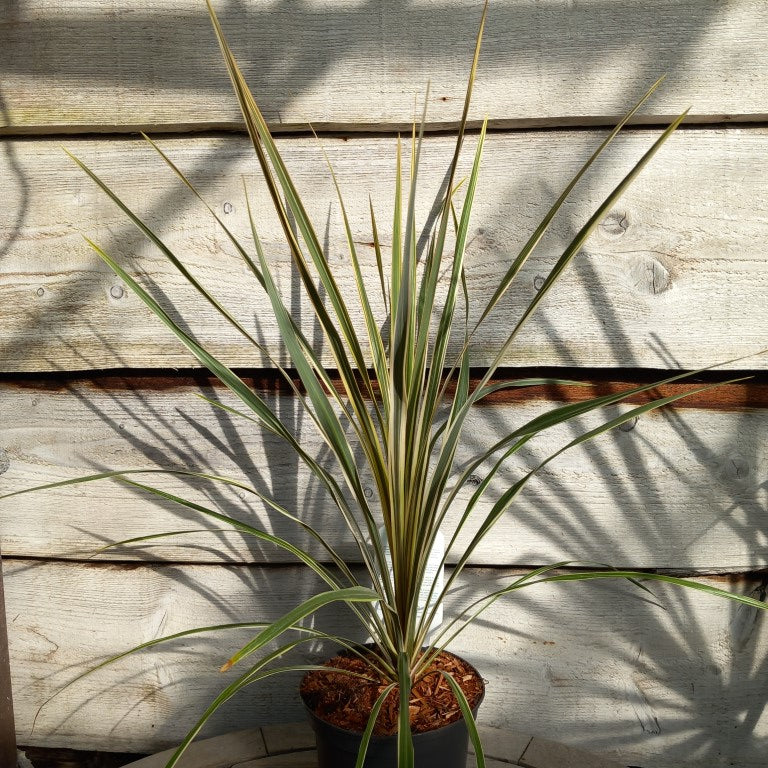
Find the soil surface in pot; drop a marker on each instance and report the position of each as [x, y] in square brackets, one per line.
[346, 701]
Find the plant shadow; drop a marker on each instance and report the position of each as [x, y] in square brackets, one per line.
[649, 640]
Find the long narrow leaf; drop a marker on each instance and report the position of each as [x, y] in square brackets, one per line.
[119, 474]
[326, 419]
[538, 576]
[577, 243]
[310, 606]
[375, 341]
[154, 642]
[154, 537]
[368, 732]
[469, 719]
[246, 258]
[272, 166]
[548, 420]
[505, 500]
[239, 525]
[404, 736]
[540, 230]
[157, 241]
[253, 675]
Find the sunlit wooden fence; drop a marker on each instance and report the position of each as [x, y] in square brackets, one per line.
[675, 277]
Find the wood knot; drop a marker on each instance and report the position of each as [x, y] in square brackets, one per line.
[661, 279]
[648, 272]
[628, 426]
[616, 223]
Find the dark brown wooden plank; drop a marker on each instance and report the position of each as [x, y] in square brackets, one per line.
[749, 394]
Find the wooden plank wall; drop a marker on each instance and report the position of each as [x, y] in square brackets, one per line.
[676, 276]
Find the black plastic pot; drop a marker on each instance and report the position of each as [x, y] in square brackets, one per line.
[444, 747]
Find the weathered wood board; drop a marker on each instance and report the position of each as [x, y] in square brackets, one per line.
[673, 688]
[359, 64]
[679, 489]
[675, 275]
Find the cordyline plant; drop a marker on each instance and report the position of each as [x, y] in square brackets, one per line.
[405, 401]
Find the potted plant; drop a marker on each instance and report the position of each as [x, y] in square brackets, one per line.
[395, 407]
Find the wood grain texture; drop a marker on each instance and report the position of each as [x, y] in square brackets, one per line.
[675, 276]
[673, 688]
[7, 735]
[680, 489]
[360, 63]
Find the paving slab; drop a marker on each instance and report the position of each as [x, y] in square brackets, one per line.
[216, 752]
[491, 763]
[292, 746]
[542, 753]
[288, 737]
[307, 759]
[502, 744]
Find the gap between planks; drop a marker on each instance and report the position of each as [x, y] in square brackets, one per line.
[752, 579]
[342, 130]
[749, 394]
